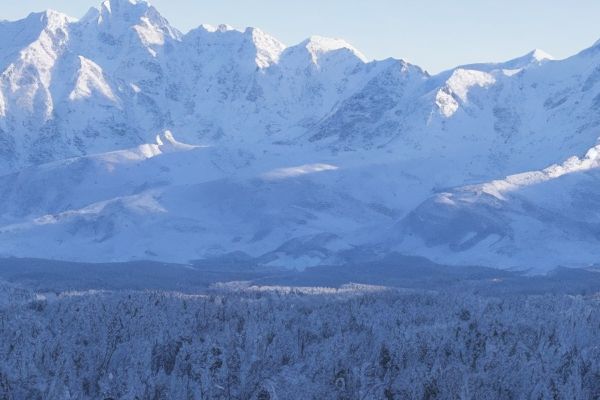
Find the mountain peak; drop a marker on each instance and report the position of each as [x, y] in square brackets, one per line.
[534, 58]
[50, 18]
[540, 55]
[268, 49]
[253, 42]
[318, 45]
[118, 5]
[128, 10]
[131, 12]
[118, 16]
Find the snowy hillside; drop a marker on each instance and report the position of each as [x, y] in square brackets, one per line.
[535, 218]
[122, 138]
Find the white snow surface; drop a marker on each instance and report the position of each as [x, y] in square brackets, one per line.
[297, 155]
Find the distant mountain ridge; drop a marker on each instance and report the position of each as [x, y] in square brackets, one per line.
[297, 155]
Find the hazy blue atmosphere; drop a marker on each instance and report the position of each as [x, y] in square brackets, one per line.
[435, 35]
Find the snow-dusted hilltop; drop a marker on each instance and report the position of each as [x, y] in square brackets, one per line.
[297, 155]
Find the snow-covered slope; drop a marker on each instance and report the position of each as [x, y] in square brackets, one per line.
[297, 155]
[533, 219]
[174, 202]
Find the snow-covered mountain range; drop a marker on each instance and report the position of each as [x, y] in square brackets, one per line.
[122, 138]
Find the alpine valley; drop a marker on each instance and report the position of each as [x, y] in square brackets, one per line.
[123, 139]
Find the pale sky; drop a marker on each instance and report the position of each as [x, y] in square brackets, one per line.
[434, 34]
